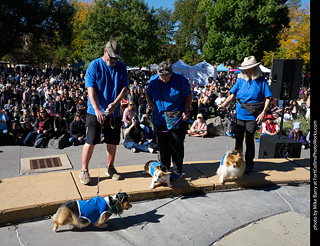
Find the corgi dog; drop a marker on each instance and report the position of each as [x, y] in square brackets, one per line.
[159, 173]
[97, 211]
[232, 165]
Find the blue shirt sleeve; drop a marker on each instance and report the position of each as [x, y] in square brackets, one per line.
[90, 77]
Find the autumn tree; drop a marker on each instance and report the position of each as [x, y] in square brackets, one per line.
[295, 39]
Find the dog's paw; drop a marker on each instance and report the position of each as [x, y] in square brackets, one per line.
[105, 225]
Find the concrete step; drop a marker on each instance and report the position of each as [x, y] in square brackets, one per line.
[34, 196]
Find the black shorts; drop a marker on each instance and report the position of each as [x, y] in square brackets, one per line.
[111, 136]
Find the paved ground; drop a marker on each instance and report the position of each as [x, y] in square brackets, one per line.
[196, 149]
[190, 220]
[224, 218]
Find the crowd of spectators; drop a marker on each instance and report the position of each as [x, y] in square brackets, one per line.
[37, 103]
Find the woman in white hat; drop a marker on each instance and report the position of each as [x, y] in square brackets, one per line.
[251, 87]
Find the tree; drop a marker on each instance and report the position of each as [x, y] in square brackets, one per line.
[130, 22]
[239, 28]
[39, 28]
[165, 33]
[295, 40]
[192, 32]
[17, 18]
[78, 23]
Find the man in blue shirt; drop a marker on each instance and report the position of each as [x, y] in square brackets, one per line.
[169, 96]
[251, 87]
[106, 81]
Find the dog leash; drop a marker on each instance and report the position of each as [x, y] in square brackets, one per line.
[114, 121]
[98, 187]
[224, 133]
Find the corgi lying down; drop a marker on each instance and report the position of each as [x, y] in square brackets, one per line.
[96, 211]
[159, 173]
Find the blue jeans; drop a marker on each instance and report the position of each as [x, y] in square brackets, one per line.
[30, 138]
[76, 141]
[142, 147]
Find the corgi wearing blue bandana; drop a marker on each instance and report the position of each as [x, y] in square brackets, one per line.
[159, 173]
[232, 165]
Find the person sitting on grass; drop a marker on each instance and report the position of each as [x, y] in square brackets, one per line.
[297, 134]
[199, 127]
[134, 138]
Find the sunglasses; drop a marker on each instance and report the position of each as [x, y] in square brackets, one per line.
[43, 112]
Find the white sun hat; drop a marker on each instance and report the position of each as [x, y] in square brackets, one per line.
[249, 62]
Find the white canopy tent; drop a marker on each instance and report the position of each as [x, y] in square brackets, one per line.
[201, 72]
[181, 67]
[153, 67]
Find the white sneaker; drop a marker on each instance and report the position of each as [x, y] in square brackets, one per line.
[151, 150]
[134, 150]
[84, 176]
[112, 173]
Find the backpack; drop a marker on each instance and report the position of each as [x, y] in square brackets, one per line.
[41, 142]
[59, 142]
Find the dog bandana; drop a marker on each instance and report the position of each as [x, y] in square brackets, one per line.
[93, 208]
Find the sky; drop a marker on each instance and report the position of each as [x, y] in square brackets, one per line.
[158, 3]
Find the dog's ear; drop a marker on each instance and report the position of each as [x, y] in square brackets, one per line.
[240, 154]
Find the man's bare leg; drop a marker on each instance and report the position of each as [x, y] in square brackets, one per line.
[111, 154]
[87, 152]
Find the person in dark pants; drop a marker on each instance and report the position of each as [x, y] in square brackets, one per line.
[251, 87]
[169, 96]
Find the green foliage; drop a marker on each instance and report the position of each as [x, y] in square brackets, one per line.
[165, 32]
[129, 22]
[304, 126]
[192, 32]
[239, 28]
[35, 27]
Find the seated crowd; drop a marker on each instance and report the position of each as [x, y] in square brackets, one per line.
[36, 106]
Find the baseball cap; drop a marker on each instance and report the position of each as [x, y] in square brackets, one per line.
[165, 68]
[113, 49]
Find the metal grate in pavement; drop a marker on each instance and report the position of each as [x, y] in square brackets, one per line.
[45, 163]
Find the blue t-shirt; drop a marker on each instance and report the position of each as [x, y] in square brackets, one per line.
[249, 92]
[93, 208]
[168, 96]
[107, 81]
[3, 121]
